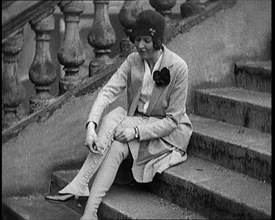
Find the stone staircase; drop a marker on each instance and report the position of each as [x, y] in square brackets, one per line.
[227, 174]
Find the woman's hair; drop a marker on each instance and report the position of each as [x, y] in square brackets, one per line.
[149, 23]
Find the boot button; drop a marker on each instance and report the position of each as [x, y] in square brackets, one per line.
[95, 162]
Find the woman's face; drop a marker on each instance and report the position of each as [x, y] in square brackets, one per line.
[144, 46]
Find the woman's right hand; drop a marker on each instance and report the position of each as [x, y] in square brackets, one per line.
[91, 138]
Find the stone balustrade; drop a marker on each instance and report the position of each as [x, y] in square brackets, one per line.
[71, 54]
[12, 90]
[127, 17]
[42, 71]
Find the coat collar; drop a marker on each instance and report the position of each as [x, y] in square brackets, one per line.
[167, 58]
[157, 91]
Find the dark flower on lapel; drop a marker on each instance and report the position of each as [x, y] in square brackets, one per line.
[162, 77]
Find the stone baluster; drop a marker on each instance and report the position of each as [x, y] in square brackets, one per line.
[42, 72]
[163, 6]
[101, 37]
[192, 7]
[12, 90]
[71, 53]
[127, 17]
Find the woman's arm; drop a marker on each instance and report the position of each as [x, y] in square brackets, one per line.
[111, 90]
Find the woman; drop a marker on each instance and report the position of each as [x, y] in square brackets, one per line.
[156, 131]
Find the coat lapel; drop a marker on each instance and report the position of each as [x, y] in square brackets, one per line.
[134, 103]
[137, 79]
[157, 91]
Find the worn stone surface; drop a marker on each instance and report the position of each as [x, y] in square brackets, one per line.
[263, 68]
[199, 185]
[139, 204]
[35, 207]
[127, 202]
[235, 147]
[253, 75]
[235, 105]
[214, 191]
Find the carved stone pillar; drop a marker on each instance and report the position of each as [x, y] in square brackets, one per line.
[42, 71]
[127, 17]
[192, 7]
[163, 6]
[71, 53]
[102, 36]
[12, 90]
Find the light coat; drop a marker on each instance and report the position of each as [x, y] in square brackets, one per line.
[167, 125]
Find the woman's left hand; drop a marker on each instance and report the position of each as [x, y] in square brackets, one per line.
[125, 134]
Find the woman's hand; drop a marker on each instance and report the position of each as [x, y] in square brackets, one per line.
[125, 134]
[91, 138]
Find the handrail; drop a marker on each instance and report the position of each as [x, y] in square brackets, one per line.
[15, 14]
[5, 4]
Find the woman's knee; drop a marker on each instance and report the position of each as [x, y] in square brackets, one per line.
[119, 148]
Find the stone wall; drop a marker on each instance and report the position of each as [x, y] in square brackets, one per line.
[210, 49]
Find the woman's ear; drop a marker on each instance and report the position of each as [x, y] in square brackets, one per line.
[157, 44]
[131, 37]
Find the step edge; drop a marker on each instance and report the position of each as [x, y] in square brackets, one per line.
[107, 205]
[209, 92]
[36, 197]
[229, 126]
[168, 174]
[259, 68]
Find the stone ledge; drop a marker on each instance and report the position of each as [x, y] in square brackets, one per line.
[241, 149]
[125, 201]
[214, 191]
[261, 68]
[35, 207]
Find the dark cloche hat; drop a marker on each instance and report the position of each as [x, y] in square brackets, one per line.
[150, 23]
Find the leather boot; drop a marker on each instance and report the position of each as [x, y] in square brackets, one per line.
[79, 185]
[105, 178]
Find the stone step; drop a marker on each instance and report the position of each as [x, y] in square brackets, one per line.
[253, 75]
[214, 191]
[125, 202]
[235, 147]
[34, 208]
[235, 105]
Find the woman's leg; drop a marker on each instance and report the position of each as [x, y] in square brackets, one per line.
[124, 174]
[105, 178]
[79, 185]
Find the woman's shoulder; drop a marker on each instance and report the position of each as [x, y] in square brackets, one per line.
[175, 59]
[134, 58]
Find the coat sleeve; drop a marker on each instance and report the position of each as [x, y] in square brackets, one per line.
[157, 128]
[111, 90]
